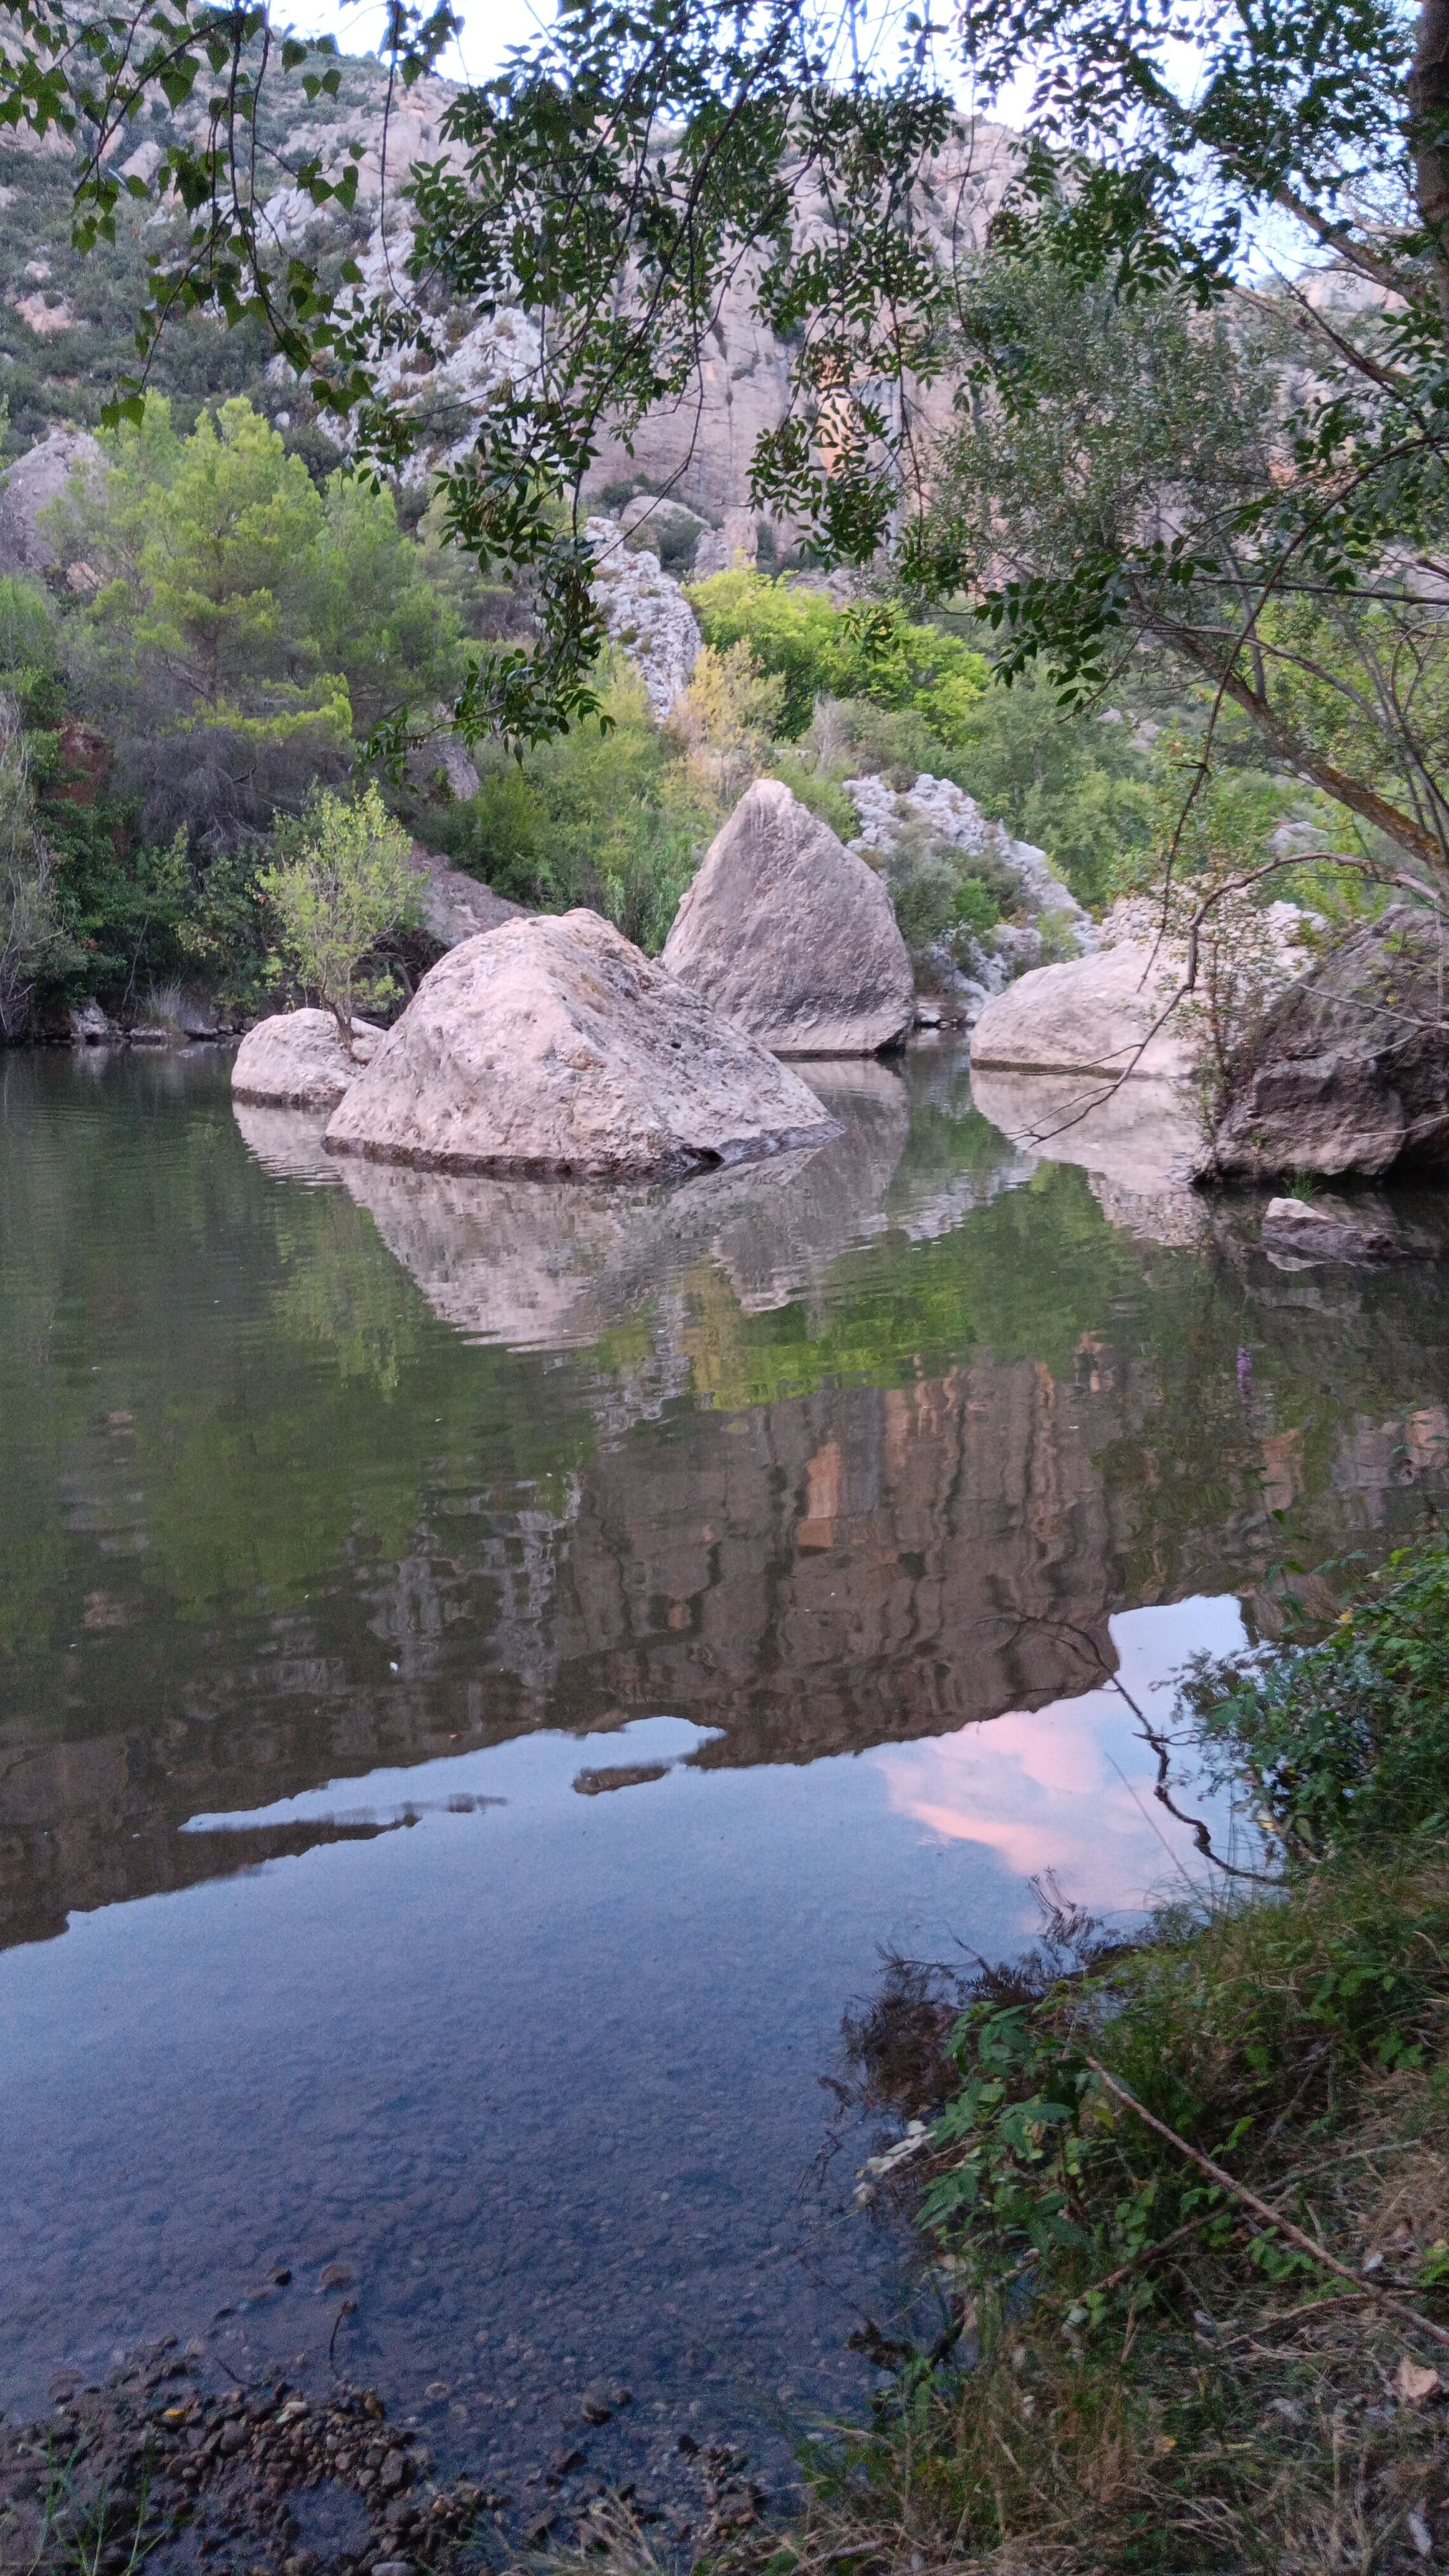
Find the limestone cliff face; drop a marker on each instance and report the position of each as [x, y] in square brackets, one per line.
[76, 316]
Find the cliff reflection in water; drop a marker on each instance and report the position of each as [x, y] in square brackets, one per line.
[326, 1475]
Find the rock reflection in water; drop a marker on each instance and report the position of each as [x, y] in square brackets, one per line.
[1138, 1142]
[295, 1550]
[287, 1142]
[546, 1264]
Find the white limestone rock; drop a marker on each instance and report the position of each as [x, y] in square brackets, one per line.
[1093, 1015]
[792, 936]
[943, 811]
[645, 613]
[551, 1045]
[296, 1060]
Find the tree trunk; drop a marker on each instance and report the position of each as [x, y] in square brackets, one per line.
[1429, 135]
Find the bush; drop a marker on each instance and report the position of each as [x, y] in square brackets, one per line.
[868, 651]
[1182, 2364]
[341, 883]
[602, 817]
[1073, 785]
[1349, 1737]
[35, 949]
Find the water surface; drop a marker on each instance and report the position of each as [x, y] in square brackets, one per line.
[356, 1527]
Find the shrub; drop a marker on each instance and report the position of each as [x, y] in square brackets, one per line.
[603, 816]
[867, 651]
[341, 883]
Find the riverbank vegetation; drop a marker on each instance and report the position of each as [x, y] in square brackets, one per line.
[1184, 2198]
[223, 628]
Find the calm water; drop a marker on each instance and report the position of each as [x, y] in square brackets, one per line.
[353, 1524]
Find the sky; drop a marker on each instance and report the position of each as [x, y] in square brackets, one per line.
[491, 27]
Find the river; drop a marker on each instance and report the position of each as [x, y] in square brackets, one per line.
[488, 1670]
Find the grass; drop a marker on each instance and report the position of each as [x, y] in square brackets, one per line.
[1185, 2199]
[79, 2530]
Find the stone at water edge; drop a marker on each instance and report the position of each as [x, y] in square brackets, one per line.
[1093, 1015]
[791, 936]
[553, 1045]
[1349, 1071]
[296, 1060]
[1298, 1232]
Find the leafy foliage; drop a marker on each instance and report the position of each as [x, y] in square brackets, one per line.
[341, 882]
[556, 196]
[1349, 1737]
[1247, 469]
[1167, 2372]
[605, 816]
[872, 651]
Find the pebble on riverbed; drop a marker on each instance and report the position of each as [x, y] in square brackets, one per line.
[267, 2480]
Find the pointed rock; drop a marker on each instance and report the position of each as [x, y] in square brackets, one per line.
[792, 936]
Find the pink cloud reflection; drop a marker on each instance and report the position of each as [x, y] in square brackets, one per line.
[1069, 1788]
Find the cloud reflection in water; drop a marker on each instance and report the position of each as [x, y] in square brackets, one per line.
[1068, 1789]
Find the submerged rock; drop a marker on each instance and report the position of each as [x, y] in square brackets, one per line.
[1296, 1232]
[296, 1060]
[1095, 1015]
[792, 936]
[1349, 1071]
[550, 1045]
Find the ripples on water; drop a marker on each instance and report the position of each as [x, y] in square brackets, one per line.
[357, 1526]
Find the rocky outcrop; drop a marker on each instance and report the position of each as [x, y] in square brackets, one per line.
[792, 936]
[454, 906]
[31, 484]
[699, 445]
[1095, 1015]
[645, 614]
[1296, 1233]
[938, 815]
[1349, 1070]
[296, 1060]
[89, 1026]
[553, 1046]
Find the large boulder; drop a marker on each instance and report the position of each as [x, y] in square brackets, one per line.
[1349, 1070]
[552, 1045]
[1096, 1015]
[296, 1060]
[792, 936]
